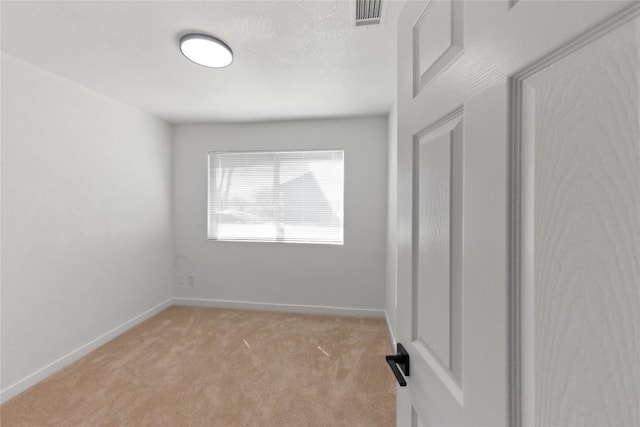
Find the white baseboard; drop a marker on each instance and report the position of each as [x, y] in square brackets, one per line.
[392, 336]
[20, 386]
[289, 308]
[42, 373]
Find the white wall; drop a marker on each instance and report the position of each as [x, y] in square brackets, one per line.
[392, 218]
[349, 276]
[86, 219]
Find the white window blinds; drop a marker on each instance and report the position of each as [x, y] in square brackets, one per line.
[284, 196]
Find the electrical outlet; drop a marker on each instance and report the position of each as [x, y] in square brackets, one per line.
[191, 281]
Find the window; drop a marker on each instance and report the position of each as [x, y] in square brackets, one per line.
[282, 196]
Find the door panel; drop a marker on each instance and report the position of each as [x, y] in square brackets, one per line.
[415, 421]
[438, 154]
[580, 242]
[432, 285]
[437, 40]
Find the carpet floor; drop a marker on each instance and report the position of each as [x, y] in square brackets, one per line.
[191, 366]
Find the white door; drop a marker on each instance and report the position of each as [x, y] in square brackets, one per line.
[519, 212]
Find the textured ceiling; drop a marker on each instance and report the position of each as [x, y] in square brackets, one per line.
[293, 59]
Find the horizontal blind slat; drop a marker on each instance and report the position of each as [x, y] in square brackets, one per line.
[290, 196]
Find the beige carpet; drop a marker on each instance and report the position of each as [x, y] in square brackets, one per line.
[211, 367]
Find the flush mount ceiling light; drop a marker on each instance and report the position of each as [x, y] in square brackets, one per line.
[206, 50]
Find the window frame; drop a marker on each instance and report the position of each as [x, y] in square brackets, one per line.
[210, 155]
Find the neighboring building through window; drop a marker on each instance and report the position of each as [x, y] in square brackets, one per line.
[277, 196]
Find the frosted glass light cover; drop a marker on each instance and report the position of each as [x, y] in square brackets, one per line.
[206, 50]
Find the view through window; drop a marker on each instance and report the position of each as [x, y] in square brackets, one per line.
[277, 196]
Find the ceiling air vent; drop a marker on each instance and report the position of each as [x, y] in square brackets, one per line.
[367, 12]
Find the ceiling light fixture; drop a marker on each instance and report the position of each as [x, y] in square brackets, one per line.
[206, 50]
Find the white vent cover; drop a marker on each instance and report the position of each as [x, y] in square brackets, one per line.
[367, 12]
